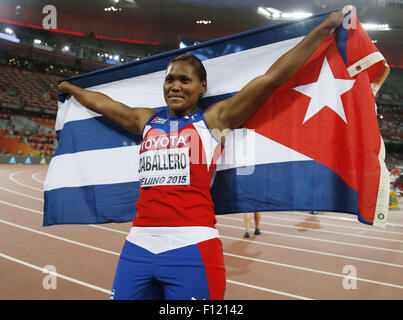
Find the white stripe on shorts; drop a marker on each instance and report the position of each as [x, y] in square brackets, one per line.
[161, 239]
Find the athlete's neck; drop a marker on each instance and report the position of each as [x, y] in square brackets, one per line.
[180, 113]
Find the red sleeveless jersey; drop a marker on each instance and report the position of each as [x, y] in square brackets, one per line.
[177, 160]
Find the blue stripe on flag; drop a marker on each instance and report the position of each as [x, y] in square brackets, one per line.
[341, 42]
[290, 189]
[93, 134]
[91, 204]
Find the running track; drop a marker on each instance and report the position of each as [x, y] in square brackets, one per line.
[297, 256]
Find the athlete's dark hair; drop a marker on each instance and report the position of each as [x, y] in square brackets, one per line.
[194, 61]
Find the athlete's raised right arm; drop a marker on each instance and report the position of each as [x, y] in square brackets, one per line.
[131, 119]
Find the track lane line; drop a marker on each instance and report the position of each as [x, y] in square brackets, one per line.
[269, 290]
[36, 179]
[285, 235]
[321, 223]
[314, 270]
[11, 177]
[283, 247]
[323, 231]
[288, 212]
[315, 252]
[59, 238]
[21, 194]
[115, 253]
[354, 235]
[62, 276]
[225, 254]
[316, 239]
[334, 217]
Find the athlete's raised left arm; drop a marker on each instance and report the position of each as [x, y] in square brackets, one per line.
[233, 112]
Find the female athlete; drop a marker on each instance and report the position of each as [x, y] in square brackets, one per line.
[173, 250]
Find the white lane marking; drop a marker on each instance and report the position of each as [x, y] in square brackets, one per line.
[224, 225]
[59, 238]
[21, 194]
[269, 290]
[11, 177]
[314, 252]
[317, 239]
[314, 270]
[110, 252]
[79, 282]
[36, 179]
[332, 217]
[108, 229]
[225, 254]
[282, 247]
[20, 207]
[323, 231]
[320, 222]
[288, 212]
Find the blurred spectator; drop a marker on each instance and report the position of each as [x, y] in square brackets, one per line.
[248, 219]
[394, 178]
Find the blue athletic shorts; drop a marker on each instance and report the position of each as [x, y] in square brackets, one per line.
[193, 272]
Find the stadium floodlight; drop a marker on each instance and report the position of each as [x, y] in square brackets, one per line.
[375, 26]
[203, 21]
[295, 15]
[272, 13]
[264, 12]
[66, 48]
[116, 58]
[37, 41]
[9, 31]
[9, 37]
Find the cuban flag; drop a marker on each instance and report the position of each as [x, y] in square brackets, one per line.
[314, 145]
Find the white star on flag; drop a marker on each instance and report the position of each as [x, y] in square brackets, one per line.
[326, 92]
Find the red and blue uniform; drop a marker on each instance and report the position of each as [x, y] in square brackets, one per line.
[173, 250]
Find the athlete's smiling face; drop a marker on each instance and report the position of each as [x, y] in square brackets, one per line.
[182, 88]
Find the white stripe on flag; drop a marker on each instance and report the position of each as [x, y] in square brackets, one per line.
[104, 166]
[244, 147]
[146, 91]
